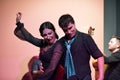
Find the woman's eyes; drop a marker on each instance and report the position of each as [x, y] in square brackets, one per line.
[47, 34]
[50, 33]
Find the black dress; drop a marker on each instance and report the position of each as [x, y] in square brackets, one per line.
[50, 55]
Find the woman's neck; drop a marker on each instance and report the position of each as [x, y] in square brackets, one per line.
[53, 42]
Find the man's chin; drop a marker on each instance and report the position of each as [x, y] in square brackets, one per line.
[110, 50]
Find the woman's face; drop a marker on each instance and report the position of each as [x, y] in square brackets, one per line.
[49, 36]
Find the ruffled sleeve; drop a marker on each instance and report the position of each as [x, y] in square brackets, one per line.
[23, 34]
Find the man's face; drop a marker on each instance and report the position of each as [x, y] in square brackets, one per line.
[113, 44]
[70, 30]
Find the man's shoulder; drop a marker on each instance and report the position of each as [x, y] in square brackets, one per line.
[82, 34]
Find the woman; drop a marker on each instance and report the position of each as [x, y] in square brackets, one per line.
[47, 31]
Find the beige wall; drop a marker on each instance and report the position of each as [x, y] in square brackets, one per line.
[15, 54]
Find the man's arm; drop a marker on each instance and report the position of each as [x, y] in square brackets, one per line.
[101, 68]
[113, 58]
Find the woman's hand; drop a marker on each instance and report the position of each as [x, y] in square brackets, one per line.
[41, 71]
[18, 18]
[38, 73]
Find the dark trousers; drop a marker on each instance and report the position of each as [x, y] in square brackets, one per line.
[87, 77]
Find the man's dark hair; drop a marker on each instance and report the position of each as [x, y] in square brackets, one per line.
[65, 19]
[117, 37]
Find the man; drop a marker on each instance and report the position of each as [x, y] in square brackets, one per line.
[113, 61]
[79, 48]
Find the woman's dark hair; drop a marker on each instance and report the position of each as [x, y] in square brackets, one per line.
[47, 25]
[65, 19]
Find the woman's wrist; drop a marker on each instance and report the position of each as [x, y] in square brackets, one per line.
[19, 25]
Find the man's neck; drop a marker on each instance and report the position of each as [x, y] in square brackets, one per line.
[116, 50]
